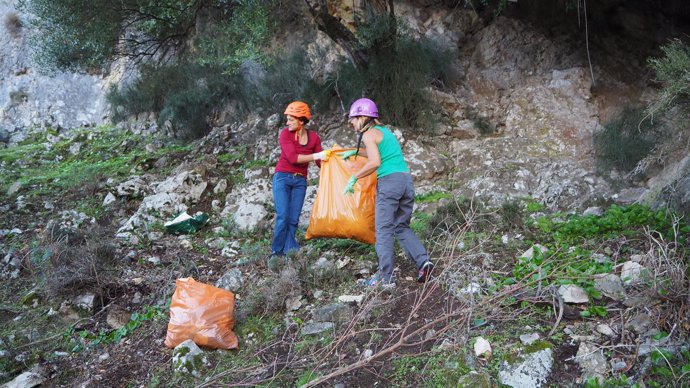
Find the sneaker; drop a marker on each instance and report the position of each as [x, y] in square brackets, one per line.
[377, 280]
[425, 272]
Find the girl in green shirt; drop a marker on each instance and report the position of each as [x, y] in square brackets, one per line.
[394, 193]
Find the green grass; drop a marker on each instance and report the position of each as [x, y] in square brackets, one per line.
[435, 370]
[263, 328]
[420, 223]
[102, 155]
[433, 197]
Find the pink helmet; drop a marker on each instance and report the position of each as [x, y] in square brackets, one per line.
[364, 107]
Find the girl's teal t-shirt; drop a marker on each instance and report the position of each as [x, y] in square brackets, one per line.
[392, 159]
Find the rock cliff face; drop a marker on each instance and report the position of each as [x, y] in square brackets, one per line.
[30, 99]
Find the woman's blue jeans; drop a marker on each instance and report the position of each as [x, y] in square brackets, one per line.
[288, 197]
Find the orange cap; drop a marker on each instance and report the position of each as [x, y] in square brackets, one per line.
[298, 109]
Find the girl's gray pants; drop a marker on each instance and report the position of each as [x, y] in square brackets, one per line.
[394, 204]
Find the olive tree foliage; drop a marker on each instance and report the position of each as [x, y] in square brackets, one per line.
[88, 34]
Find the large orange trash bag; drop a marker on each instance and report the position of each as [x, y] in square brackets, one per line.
[336, 215]
[202, 313]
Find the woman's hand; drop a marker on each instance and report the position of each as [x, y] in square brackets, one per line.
[323, 155]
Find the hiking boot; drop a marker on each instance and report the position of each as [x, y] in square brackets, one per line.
[377, 280]
[425, 272]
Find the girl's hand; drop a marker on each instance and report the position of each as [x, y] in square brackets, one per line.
[347, 154]
[350, 187]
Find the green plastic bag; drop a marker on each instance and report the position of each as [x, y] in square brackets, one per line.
[186, 224]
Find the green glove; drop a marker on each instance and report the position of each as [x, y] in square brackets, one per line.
[347, 154]
[350, 187]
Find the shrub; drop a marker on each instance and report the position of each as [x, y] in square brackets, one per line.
[624, 141]
[87, 34]
[270, 296]
[67, 261]
[184, 93]
[13, 24]
[231, 41]
[482, 124]
[72, 34]
[397, 79]
[290, 79]
[673, 72]
[456, 216]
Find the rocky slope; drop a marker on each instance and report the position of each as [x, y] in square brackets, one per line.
[89, 268]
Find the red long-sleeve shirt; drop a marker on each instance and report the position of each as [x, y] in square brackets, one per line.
[290, 148]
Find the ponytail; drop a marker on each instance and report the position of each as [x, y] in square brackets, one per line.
[370, 122]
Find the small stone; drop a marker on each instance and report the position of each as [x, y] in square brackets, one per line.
[529, 254]
[446, 345]
[592, 361]
[351, 299]
[482, 348]
[593, 211]
[316, 328]
[528, 339]
[605, 330]
[640, 323]
[610, 285]
[600, 258]
[16, 186]
[618, 364]
[109, 198]
[293, 304]
[573, 294]
[631, 272]
[472, 288]
[637, 258]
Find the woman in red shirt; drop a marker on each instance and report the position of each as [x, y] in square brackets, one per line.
[298, 147]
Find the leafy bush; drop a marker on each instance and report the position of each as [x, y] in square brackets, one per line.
[87, 34]
[184, 93]
[572, 240]
[397, 78]
[290, 79]
[673, 72]
[72, 34]
[624, 141]
[231, 41]
[616, 221]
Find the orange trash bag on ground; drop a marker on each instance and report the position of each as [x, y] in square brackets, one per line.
[336, 215]
[202, 313]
